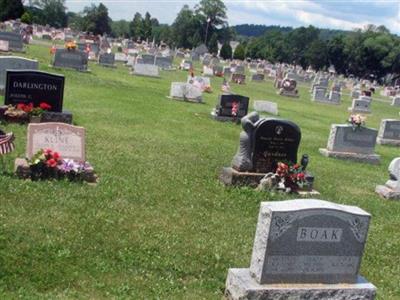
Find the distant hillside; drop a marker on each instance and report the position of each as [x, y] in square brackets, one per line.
[250, 30]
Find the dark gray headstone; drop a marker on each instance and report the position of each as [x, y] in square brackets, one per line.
[343, 138]
[107, 59]
[258, 77]
[74, 59]
[163, 62]
[15, 63]
[15, 42]
[34, 87]
[225, 103]
[389, 129]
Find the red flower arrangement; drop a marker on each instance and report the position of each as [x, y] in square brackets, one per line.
[235, 108]
[22, 110]
[51, 158]
[292, 176]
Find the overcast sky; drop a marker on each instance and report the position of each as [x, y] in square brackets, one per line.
[337, 14]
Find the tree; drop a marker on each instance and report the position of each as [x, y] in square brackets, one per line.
[54, 12]
[240, 52]
[147, 26]
[11, 9]
[212, 14]
[96, 19]
[213, 44]
[26, 18]
[120, 28]
[185, 28]
[226, 51]
[317, 55]
[136, 27]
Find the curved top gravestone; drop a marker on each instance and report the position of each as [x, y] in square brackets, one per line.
[274, 140]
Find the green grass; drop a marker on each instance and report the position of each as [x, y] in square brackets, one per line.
[159, 225]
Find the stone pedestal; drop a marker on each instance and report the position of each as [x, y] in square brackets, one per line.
[230, 176]
[387, 193]
[240, 285]
[59, 117]
[291, 94]
[358, 157]
[390, 142]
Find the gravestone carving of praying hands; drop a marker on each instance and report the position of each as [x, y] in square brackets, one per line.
[242, 161]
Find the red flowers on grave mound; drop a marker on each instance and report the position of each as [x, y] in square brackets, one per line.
[44, 106]
[51, 159]
[292, 176]
[23, 110]
[235, 109]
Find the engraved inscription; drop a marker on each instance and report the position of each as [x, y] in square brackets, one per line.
[315, 234]
[306, 264]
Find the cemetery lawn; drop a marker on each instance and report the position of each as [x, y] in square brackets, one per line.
[159, 225]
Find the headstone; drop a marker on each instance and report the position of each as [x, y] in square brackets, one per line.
[288, 88]
[121, 57]
[360, 106]
[238, 78]
[34, 87]
[266, 106]
[207, 71]
[391, 189]
[107, 59]
[73, 59]
[15, 42]
[258, 77]
[305, 249]
[319, 94]
[146, 70]
[223, 110]
[163, 62]
[389, 132]
[4, 46]
[186, 91]
[268, 141]
[334, 97]
[15, 63]
[66, 139]
[239, 70]
[148, 59]
[345, 142]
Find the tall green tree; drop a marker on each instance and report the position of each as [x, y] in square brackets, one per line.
[185, 28]
[226, 51]
[213, 44]
[120, 29]
[212, 14]
[54, 12]
[96, 19]
[240, 52]
[136, 27]
[11, 9]
[147, 26]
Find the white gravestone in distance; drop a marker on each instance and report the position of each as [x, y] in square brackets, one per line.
[185, 91]
[66, 139]
[305, 249]
[146, 70]
[389, 132]
[391, 189]
[266, 106]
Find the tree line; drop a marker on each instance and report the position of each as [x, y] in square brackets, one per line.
[371, 52]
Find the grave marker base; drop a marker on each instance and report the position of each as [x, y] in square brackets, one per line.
[325, 101]
[363, 158]
[22, 170]
[240, 285]
[224, 118]
[387, 193]
[382, 141]
[288, 94]
[186, 100]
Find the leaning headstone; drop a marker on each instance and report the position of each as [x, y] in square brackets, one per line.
[146, 70]
[15, 42]
[71, 59]
[66, 139]
[305, 249]
[391, 189]
[266, 106]
[360, 106]
[107, 59]
[186, 91]
[348, 143]
[14, 63]
[230, 108]
[389, 132]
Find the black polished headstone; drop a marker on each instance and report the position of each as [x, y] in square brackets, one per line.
[107, 59]
[34, 87]
[225, 102]
[274, 141]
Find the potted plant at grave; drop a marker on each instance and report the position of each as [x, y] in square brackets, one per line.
[26, 112]
[48, 164]
[357, 121]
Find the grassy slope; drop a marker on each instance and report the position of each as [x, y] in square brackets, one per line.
[159, 224]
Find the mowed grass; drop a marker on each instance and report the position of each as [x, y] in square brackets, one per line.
[159, 225]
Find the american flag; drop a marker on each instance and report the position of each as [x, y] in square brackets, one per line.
[6, 143]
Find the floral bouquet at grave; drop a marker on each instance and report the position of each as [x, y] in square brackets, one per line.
[235, 109]
[48, 164]
[24, 111]
[357, 121]
[71, 45]
[289, 178]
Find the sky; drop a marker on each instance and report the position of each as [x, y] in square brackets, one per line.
[334, 14]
